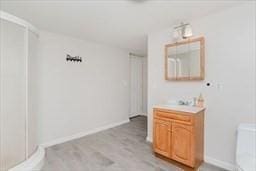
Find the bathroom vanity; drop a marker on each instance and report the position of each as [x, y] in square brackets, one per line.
[179, 133]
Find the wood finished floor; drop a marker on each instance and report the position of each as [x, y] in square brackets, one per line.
[122, 148]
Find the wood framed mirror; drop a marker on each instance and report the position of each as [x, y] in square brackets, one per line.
[185, 60]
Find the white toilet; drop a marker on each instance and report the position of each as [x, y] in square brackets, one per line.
[246, 147]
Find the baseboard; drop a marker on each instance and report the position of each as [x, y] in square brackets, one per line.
[82, 134]
[219, 163]
[135, 116]
[34, 163]
[149, 139]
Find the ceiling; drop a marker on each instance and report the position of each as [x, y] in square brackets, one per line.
[120, 23]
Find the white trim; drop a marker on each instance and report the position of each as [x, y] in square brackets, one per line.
[19, 21]
[34, 163]
[137, 115]
[150, 140]
[219, 163]
[82, 134]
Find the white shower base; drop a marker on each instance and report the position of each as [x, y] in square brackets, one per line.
[34, 163]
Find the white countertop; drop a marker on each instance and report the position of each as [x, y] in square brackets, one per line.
[181, 108]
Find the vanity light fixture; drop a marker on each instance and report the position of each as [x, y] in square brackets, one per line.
[183, 30]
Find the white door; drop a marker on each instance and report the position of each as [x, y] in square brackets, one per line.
[136, 97]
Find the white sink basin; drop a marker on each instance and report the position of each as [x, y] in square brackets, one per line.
[181, 108]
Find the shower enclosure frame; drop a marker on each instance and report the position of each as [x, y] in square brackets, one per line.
[37, 157]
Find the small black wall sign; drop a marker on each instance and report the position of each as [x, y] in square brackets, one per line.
[74, 59]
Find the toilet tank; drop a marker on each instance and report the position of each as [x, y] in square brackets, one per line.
[246, 139]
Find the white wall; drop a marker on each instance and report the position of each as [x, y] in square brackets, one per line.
[230, 68]
[79, 97]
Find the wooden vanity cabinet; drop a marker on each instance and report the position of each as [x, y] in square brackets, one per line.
[162, 137]
[179, 136]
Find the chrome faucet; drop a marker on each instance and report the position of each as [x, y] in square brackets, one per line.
[186, 103]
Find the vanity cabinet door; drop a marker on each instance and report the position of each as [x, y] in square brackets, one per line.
[162, 137]
[182, 144]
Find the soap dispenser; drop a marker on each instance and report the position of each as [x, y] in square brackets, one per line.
[200, 101]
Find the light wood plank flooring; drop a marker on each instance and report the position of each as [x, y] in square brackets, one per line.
[122, 148]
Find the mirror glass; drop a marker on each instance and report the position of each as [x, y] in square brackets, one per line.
[184, 61]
